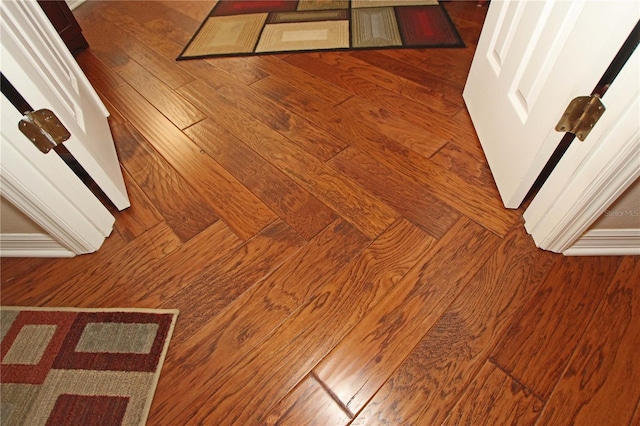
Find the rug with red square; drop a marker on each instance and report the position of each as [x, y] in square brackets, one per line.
[71, 366]
[251, 27]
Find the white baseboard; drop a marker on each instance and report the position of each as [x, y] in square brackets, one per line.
[606, 242]
[31, 245]
[74, 3]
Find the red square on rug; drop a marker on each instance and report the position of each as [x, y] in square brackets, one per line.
[82, 410]
[425, 26]
[253, 6]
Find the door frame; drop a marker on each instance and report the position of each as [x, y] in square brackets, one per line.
[45, 189]
[592, 174]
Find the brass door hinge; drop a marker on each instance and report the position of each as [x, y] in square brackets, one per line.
[581, 115]
[44, 129]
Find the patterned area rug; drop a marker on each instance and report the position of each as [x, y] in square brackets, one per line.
[81, 366]
[249, 27]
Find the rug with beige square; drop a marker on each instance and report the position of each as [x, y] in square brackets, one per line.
[251, 27]
[67, 366]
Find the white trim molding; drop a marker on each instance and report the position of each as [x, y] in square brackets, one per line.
[607, 242]
[74, 3]
[31, 245]
[594, 173]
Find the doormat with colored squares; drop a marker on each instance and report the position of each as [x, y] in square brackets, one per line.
[68, 366]
[251, 27]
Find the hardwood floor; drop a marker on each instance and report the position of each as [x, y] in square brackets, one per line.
[331, 233]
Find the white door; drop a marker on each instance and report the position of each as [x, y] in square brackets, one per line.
[532, 58]
[38, 64]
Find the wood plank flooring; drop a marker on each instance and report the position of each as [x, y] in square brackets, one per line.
[329, 228]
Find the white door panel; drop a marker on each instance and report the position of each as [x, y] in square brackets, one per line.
[533, 57]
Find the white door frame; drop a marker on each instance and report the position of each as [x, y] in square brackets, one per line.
[48, 192]
[594, 173]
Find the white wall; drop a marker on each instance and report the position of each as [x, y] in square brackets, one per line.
[22, 237]
[13, 221]
[624, 213]
[617, 231]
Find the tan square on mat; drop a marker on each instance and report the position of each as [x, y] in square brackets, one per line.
[389, 3]
[375, 27]
[227, 34]
[304, 36]
[322, 4]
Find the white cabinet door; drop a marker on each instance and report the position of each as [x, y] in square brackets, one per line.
[532, 58]
[38, 64]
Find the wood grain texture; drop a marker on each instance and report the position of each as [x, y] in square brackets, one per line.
[177, 109]
[15, 268]
[246, 71]
[116, 15]
[301, 210]
[197, 10]
[438, 99]
[191, 260]
[300, 131]
[412, 111]
[228, 337]
[308, 83]
[601, 385]
[160, 67]
[480, 203]
[103, 78]
[166, 26]
[121, 267]
[308, 404]
[453, 64]
[230, 276]
[358, 117]
[467, 161]
[429, 382]
[494, 398]
[385, 86]
[312, 330]
[421, 140]
[140, 217]
[363, 360]
[318, 167]
[185, 211]
[222, 191]
[141, 11]
[404, 195]
[348, 199]
[555, 317]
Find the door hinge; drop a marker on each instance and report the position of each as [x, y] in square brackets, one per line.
[581, 115]
[44, 129]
